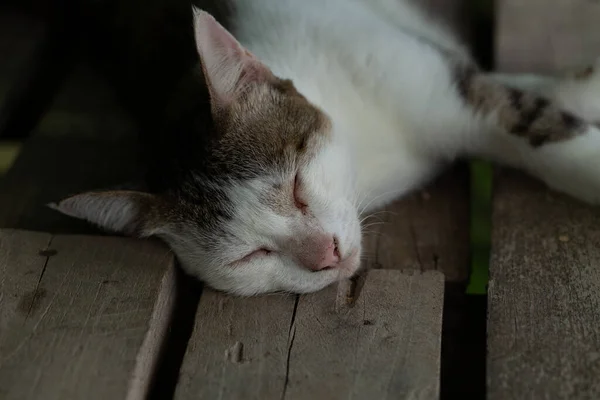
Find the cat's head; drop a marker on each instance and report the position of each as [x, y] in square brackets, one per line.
[271, 209]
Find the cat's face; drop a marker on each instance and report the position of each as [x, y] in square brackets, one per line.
[274, 209]
[291, 225]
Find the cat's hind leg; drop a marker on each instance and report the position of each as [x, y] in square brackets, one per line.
[552, 135]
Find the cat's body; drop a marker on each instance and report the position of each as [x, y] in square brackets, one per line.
[380, 99]
[388, 78]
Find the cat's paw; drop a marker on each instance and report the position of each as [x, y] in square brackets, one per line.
[579, 92]
[571, 166]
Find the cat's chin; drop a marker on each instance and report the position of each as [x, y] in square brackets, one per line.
[345, 270]
[319, 280]
[349, 266]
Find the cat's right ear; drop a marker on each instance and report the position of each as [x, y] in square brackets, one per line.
[228, 67]
[128, 212]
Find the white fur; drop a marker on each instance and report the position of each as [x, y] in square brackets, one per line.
[392, 97]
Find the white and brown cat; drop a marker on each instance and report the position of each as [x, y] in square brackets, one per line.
[323, 110]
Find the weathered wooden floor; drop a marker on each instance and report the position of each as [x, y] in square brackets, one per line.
[80, 313]
[544, 292]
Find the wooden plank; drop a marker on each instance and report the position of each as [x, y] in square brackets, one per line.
[426, 230]
[238, 349]
[384, 344]
[565, 34]
[80, 316]
[544, 294]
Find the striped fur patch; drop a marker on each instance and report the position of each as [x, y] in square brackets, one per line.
[523, 114]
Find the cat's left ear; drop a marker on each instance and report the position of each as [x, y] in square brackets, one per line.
[129, 212]
[228, 67]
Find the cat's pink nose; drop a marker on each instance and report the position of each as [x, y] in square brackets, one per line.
[323, 253]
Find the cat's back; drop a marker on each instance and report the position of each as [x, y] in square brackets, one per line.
[323, 45]
[276, 28]
[359, 61]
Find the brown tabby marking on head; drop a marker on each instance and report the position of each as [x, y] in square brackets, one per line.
[270, 126]
[521, 113]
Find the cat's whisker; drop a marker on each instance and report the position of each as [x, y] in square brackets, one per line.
[374, 215]
[380, 196]
[363, 199]
[371, 225]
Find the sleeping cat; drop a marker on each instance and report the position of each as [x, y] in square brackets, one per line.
[323, 110]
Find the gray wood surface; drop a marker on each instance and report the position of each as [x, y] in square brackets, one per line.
[80, 317]
[382, 344]
[565, 34]
[544, 294]
[238, 349]
[429, 229]
[426, 230]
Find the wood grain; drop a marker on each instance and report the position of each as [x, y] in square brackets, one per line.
[79, 315]
[565, 34]
[544, 294]
[385, 344]
[426, 230]
[238, 349]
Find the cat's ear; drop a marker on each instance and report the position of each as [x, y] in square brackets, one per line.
[128, 212]
[228, 67]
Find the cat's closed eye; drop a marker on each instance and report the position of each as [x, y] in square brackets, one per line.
[298, 199]
[262, 252]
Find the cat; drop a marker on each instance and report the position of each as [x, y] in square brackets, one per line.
[322, 111]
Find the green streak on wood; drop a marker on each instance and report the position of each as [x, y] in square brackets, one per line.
[480, 229]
